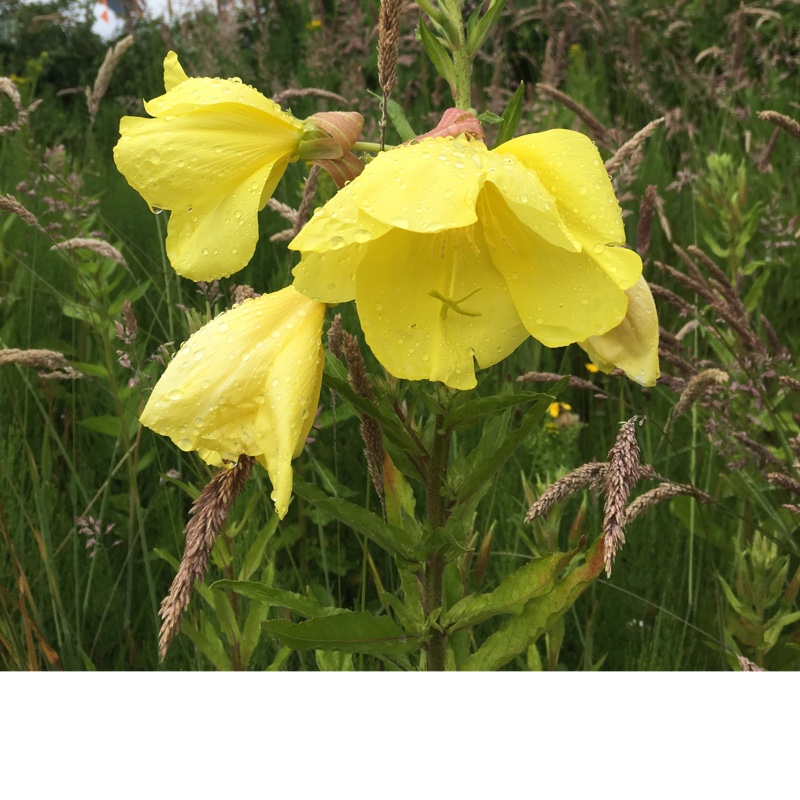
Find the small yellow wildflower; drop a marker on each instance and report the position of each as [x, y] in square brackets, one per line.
[212, 154]
[455, 254]
[554, 409]
[314, 24]
[247, 383]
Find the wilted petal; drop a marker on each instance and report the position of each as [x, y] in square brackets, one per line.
[247, 383]
[633, 345]
[212, 155]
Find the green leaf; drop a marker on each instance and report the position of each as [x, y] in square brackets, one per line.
[251, 631]
[481, 30]
[488, 466]
[108, 425]
[334, 661]
[208, 643]
[399, 497]
[351, 632]
[397, 116]
[510, 597]
[306, 606]
[255, 554]
[437, 53]
[522, 630]
[482, 407]
[92, 370]
[391, 538]
[511, 116]
[335, 377]
[489, 118]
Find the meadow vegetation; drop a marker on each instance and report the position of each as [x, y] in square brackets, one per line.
[93, 506]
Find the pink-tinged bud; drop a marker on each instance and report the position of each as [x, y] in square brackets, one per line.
[344, 169]
[454, 122]
[327, 139]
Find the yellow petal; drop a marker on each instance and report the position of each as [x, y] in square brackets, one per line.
[427, 187]
[173, 71]
[212, 155]
[246, 384]
[333, 244]
[432, 304]
[530, 201]
[571, 169]
[560, 296]
[633, 345]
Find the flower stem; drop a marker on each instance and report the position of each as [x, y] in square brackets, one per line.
[433, 576]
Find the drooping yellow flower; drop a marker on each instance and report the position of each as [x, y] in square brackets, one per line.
[633, 345]
[247, 383]
[455, 253]
[212, 154]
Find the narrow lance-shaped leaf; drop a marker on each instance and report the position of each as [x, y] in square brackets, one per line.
[483, 27]
[351, 632]
[522, 630]
[391, 538]
[510, 597]
[437, 53]
[481, 407]
[511, 116]
[489, 466]
[306, 606]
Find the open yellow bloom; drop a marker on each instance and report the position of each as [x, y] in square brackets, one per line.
[212, 155]
[247, 383]
[633, 345]
[455, 253]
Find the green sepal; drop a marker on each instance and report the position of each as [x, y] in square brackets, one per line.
[350, 632]
[511, 116]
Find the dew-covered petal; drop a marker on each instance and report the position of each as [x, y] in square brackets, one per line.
[432, 304]
[212, 156]
[571, 169]
[525, 195]
[246, 384]
[633, 345]
[426, 187]
[560, 296]
[333, 244]
[184, 94]
[212, 172]
[173, 71]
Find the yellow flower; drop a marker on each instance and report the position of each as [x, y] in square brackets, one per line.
[247, 383]
[633, 345]
[212, 155]
[554, 409]
[455, 253]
